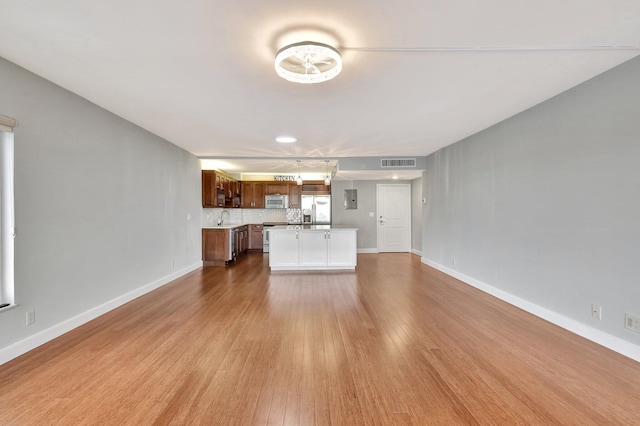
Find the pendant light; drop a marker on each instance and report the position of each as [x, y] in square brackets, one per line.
[299, 179]
[327, 181]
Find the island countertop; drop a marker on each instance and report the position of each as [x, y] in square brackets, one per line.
[313, 228]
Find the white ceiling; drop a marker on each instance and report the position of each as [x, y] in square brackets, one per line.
[200, 73]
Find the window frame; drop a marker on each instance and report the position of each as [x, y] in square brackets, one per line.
[7, 213]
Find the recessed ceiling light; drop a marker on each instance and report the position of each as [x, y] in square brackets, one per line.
[286, 139]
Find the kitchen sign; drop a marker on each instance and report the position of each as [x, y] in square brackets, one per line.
[284, 178]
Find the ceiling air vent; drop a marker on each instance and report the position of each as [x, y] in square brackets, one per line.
[397, 162]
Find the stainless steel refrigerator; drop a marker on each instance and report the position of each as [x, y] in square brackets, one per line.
[316, 209]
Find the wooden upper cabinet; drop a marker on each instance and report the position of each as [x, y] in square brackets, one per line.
[212, 195]
[217, 190]
[276, 188]
[258, 195]
[227, 190]
[246, 197]
[252, 195]
[294, 195]
[225, 187]
[208, 188]
[316, 188]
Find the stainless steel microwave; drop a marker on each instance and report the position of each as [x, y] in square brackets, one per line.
[276, 201]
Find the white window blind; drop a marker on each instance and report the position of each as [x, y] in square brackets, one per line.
[7, 218]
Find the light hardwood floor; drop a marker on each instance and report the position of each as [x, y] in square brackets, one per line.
[396, 342]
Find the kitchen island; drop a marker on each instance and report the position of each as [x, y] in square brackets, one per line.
[312, 247]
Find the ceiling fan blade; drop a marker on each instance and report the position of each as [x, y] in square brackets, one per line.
[294, 60]
[305, 57]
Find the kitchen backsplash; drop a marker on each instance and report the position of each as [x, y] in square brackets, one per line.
[210, 217]
[294, 215]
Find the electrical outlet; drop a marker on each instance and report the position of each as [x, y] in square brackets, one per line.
[596, 311]
[632, 322]
[31, 317]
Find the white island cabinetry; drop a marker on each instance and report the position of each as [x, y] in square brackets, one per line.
[342, 248]
[309, 247]
[313, 248]
[283, 247]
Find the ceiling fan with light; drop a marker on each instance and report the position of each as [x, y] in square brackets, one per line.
[308, 62]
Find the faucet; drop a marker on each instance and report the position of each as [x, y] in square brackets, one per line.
[221, 220]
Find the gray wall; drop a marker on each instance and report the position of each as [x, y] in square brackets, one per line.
[101, 205]
[367, 194]
[546, 204]
[367, 231]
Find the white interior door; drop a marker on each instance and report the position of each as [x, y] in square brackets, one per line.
[394, 217]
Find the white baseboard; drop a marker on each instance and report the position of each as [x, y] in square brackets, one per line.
[25, 345]
[368, 250]
[375, 250]
[600, 337]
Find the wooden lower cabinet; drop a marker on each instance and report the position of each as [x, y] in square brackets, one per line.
[216, 247]
[242, 240]
[255, 237]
